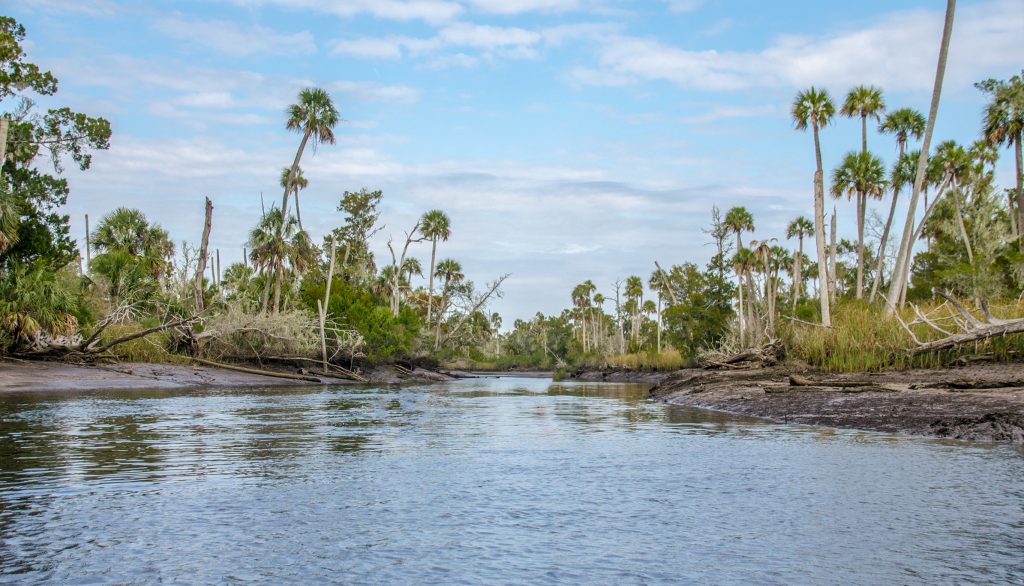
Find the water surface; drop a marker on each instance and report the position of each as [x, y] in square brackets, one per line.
[484, 481]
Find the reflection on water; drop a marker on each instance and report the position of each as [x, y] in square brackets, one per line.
[491, 480]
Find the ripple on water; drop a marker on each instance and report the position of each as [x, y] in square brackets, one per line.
[485, 481]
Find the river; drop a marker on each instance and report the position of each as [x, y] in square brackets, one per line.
[484, 481]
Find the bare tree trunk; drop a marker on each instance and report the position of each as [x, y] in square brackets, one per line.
[278, 277]
[5, 124]
[88, 243]
[834, 266]
[798, 276]
[430, 287]
[862, 205]
[322, 307]
[900, 275]
[819, 235]
[739, 313]
[197, 289]
[1020, 190]
[298, 214]
[960, 224]
[659, 322]
[880, 266]
[218, 268]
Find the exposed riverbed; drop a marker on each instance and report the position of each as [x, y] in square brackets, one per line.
[484, 481]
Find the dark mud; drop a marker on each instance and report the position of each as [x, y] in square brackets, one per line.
[977, 402]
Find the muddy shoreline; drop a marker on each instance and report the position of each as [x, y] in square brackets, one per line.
[983, 402]
[22, 376]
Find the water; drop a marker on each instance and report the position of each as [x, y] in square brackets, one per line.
[484, 481]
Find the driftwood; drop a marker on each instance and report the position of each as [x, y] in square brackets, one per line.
[973, 329]
[258, 371]
[830, 389]
[340, 369]
[795, 380]
[766, 355]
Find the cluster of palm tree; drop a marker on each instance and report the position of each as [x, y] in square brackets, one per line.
[132, 256]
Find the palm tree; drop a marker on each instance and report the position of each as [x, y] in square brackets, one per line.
[814, 108]
[902, 267]
[315, 116]
[272, 247]
[635, 292]
[297, 183]
[131, 253]
[743, 262]
[435, 225]
[956, 162]
[1003, 124]
[738, 220]
[799, 228]
[861, 175]
[864, 101]
[904, 124]
[658, 285]
[450, 272]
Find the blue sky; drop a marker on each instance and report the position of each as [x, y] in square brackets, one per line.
[567, 139]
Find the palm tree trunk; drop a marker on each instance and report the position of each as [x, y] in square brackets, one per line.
[864, 133]
[291, 175]
[430, 290]
[1020, 190]
[900, 276]
[739, 314]
[298, 214]
[960, 224]
[437, 330]
[819, 233]
[885, 234]
[834, 266]
[659, 322]
[862, 206]
[798, 275]
[279, 274]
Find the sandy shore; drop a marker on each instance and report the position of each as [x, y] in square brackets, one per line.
[57, 376]
[983, 402]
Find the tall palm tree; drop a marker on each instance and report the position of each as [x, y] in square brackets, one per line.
[901, 270]
[864, 101]
[904, 123]
[814, 108]
[956, 162]
[658, 284]
[450, 273]
[435, 225]
[738, 220]
[314, 116]
[799, 228]
[1003, 124]
[635, 292]
[298, 182]
[743, 262]
[861, 175]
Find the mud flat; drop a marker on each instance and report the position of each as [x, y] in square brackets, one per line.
[981, 402]
[57, 376]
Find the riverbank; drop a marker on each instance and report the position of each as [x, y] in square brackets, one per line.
[58, 376]
[981, 402]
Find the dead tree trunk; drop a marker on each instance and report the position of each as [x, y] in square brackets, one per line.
[203, 246]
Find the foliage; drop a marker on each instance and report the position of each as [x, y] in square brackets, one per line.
[34, 301]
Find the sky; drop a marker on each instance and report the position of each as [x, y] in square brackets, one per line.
[566, 139]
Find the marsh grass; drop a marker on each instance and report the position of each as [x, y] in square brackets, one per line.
[862, 340]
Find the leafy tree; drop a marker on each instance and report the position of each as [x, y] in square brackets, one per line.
[362, 212]
[30, 197]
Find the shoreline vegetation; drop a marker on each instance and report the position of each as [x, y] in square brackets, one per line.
[946, 289]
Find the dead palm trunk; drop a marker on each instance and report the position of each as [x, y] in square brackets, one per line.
[819, 232]
[739, 313]
[862, 205]
[798, 276]
[833, 277]
[1020, 191]
[197, 288]
[901, 274]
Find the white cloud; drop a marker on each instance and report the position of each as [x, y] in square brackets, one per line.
[375, 92]
[684, 5]
[232, 39]
[521, 6]
[724, 112]
[898, 52]
[432, 11]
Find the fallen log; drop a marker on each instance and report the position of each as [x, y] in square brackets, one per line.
[825, 389]
[976, 333]
[258, 371]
